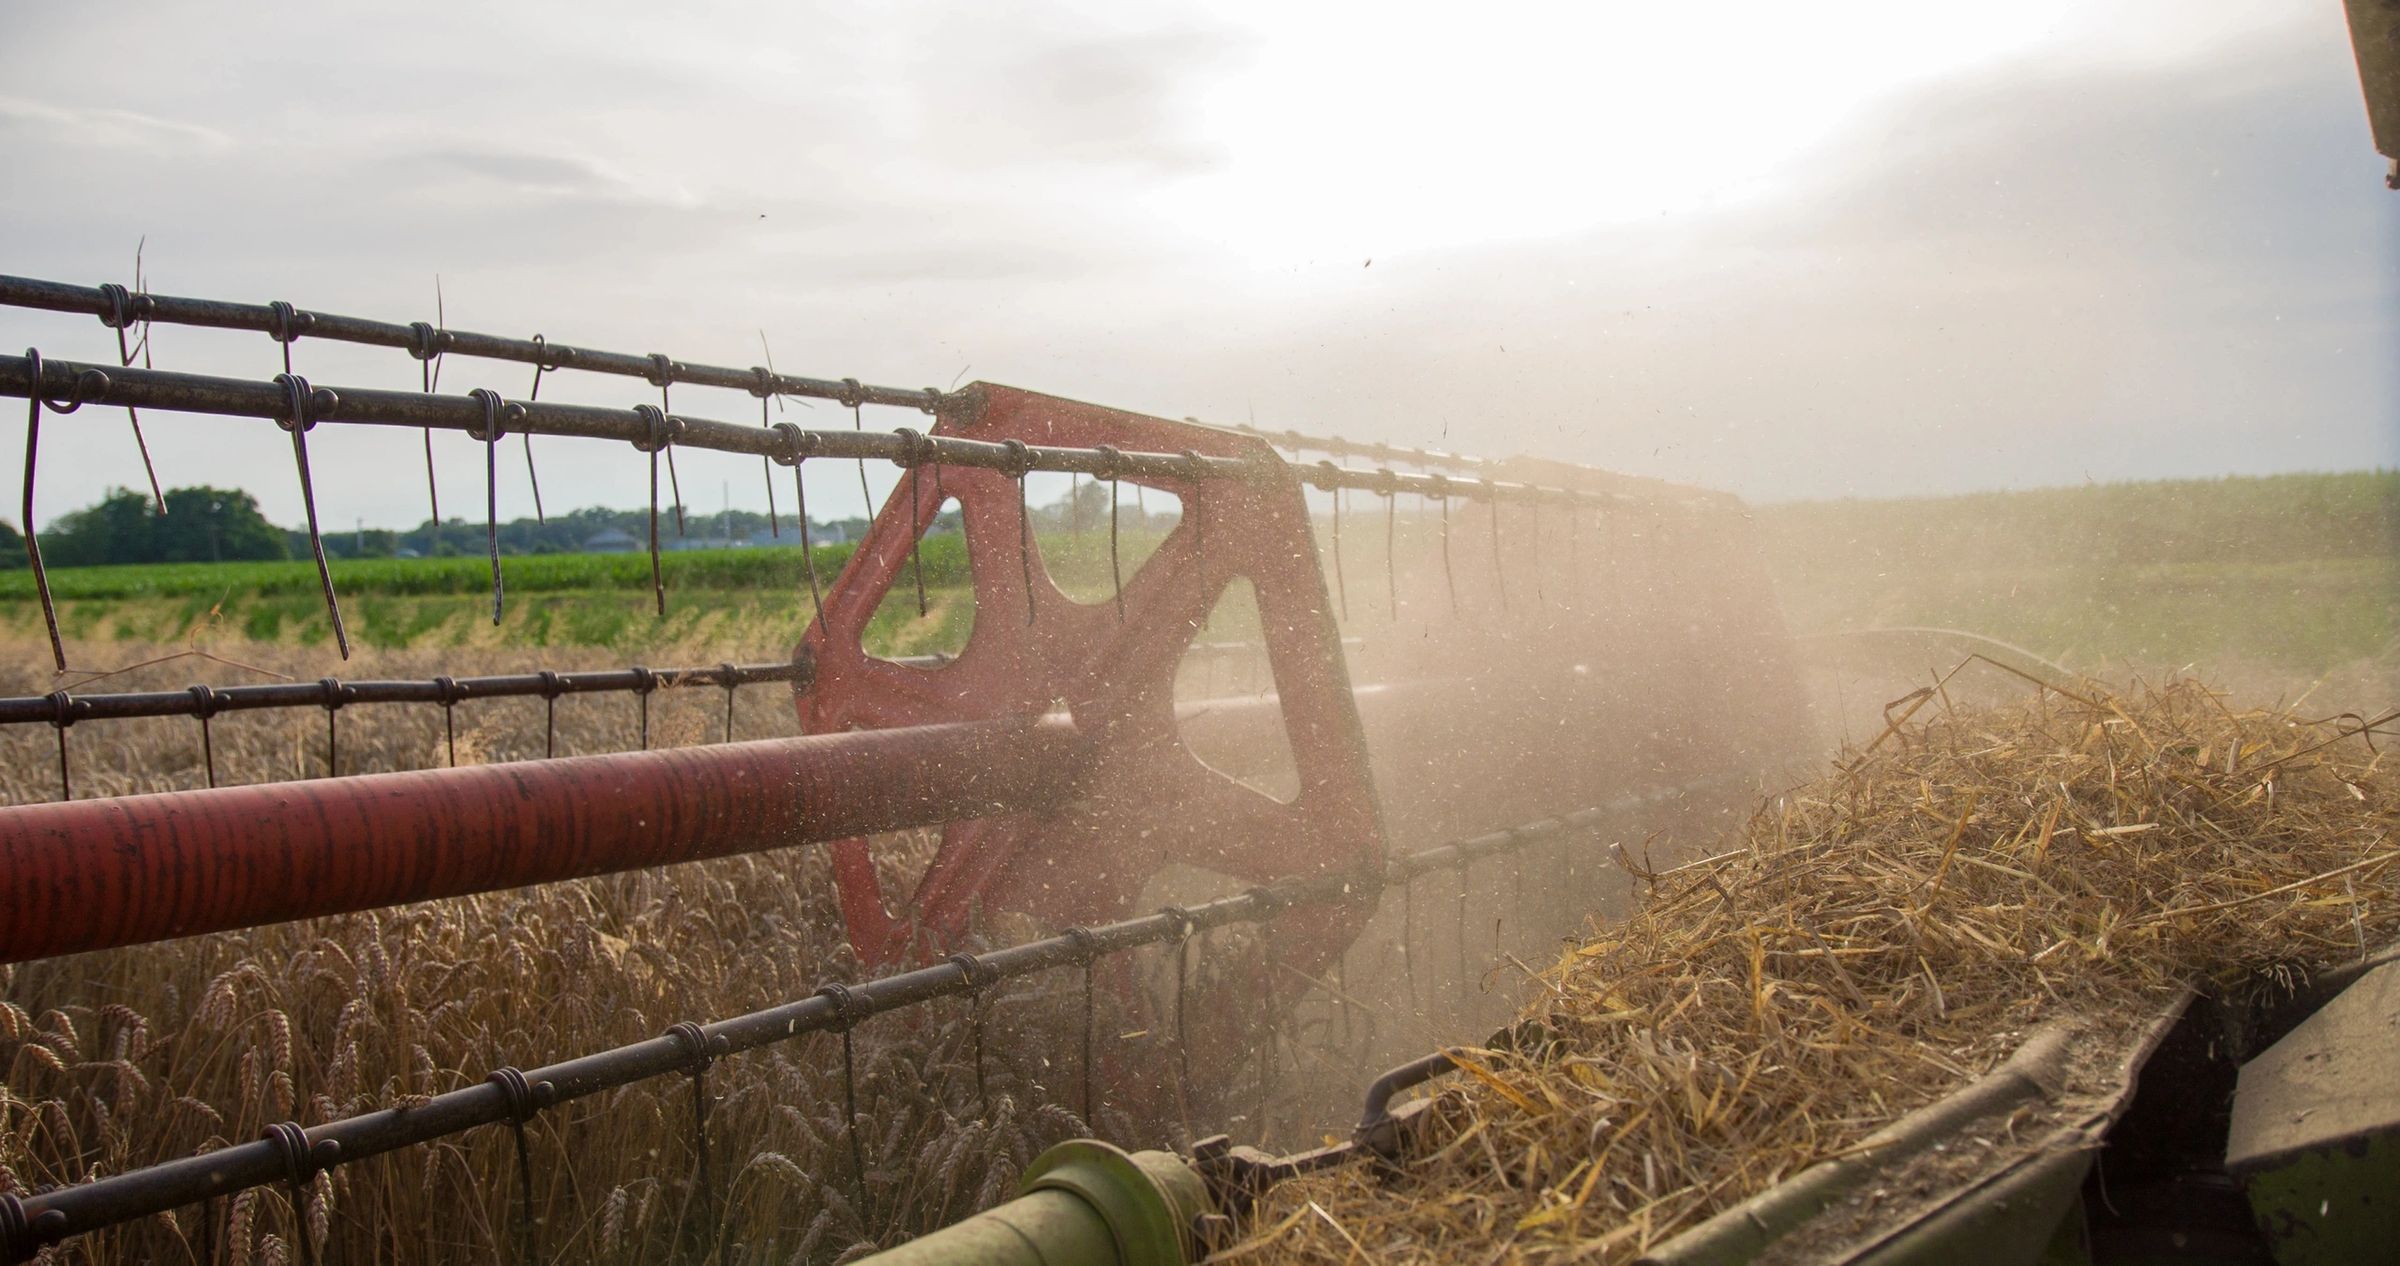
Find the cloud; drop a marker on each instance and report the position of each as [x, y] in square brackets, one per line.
[106, 128]
[1042, 100]
[548, 175]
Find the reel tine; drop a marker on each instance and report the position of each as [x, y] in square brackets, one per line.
[851, 397]
[663, 374]
[1341, 585]
[1537, 550]
[1441, 485]
[702, 1054]
[427, 346]
[332, 703]
[204, 706]
[725, 673]
[33, 544]
[493, 407]
[1199, 520]
[766, 383]
[1391, 545]
[1581, 582]
[766, 471]
[916, 538]
[1499, 569]
[533, 476]
[120, 315]
[800, 442]
[303, 405]
[1020, 463]
[1116, 568]
[660, 424]
[62, 715]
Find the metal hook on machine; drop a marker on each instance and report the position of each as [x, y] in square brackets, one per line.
[853, 395]
[446, 690]
[763, 386]
[124, 309]
[1388, 486]
[1199, 476]
[1020, 463]
[427, 343]
[912, 455]
[1086, 951]
[552, 688]
[206, 703]
[701, 1052]
[302, 1162]
[333, 696]
[1491, 495]
[64, 708]
[1327, 479]
[1441, 493]
[1110, 459]
[526, 1099]
[1185, 926]
[91, 384]
[303, 405]
[849, 1008]
[489, 433]
[662, 376]
[658, 434]
[644, 682]
[542, 364]
[798, 444]
[978, 977]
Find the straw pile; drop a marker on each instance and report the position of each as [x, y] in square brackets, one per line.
[1878, 939]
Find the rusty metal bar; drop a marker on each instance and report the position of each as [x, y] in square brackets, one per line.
[234, 397]
[30, 1223]
[1373, 450]
[211, 701]
[418, 337]
[26, 709]
[92, 874]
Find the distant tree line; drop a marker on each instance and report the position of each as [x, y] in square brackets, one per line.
[201, 525]
[205, 524]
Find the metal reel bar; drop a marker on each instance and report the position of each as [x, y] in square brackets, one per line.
[236, 397]
[417, 337]
[30, 709]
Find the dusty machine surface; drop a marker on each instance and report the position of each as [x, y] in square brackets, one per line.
[2007, 1170]
[2375, 35]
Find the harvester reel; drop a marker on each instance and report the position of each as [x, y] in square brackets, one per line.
[1143, 802]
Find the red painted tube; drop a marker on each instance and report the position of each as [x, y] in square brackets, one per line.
[91, 874]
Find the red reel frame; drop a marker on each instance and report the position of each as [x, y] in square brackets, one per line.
[1142, 800]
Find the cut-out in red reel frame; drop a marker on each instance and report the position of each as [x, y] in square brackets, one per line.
[1143, 800]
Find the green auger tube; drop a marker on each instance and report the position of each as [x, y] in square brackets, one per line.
[1084, 1203]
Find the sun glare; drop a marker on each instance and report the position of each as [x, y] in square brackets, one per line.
[1344, 136]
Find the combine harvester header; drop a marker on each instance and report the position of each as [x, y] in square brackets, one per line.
[1552, 680]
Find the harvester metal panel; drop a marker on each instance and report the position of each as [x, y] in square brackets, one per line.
[2375, 35]
[2316, 1129]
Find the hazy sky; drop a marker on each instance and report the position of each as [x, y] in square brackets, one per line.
[1790, 250]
